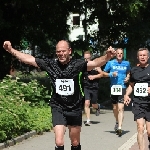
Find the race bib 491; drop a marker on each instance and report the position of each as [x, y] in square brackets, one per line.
[141, 89]
[64, 86]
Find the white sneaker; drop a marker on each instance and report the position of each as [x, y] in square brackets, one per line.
[87, 123]
[116, 127]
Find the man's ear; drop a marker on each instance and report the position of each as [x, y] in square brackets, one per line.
[70, 51]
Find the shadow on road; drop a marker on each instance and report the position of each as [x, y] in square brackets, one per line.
[123, 132]
[92, 122]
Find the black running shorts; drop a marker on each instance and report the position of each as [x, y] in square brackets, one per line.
[65, 118]
[141, 111]
[91, 95]
[115, 99]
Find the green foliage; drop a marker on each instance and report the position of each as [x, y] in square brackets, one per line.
[79, 47]
[43, 23]
[17, 114]
[117, 19]
[31, 75]
[135, 6]
[24, 44]
[41, 119]
[32, 91]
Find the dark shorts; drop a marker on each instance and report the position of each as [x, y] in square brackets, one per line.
[60, 117]
[141, 111]
[91, 95]
[115, 99]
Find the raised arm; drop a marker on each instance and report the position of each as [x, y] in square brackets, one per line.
[98, 62]
[25, 58]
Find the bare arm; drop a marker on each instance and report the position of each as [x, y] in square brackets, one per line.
[25, 58]
[98, 62]
[128, 75]
[130, 88]
[99, 75]
[105, 74]
[112, 74]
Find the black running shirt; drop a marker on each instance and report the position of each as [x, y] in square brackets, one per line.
[140, 75]
[91, 84]
[71, 70]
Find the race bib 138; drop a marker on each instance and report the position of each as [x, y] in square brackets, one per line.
[116, 90]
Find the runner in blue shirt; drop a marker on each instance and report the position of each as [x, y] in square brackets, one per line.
[118, 71]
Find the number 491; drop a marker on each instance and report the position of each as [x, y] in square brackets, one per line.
[64, 88]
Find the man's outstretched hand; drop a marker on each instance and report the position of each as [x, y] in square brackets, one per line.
[7, 46]
[110, 52]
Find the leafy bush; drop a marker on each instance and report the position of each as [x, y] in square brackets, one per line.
[32, 91]
[30, 75]
[17, 114]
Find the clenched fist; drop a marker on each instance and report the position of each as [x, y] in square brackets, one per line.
[115, 74]
[7, 46]
[110, 52]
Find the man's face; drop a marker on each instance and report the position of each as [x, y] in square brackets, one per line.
[119, 54]
[87, 57]
[63, 52]
[143, 57]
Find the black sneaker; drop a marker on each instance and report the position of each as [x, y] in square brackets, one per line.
[97, 113]
[119, 132]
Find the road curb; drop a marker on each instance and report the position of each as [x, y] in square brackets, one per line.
[127, 145]
[17, 139]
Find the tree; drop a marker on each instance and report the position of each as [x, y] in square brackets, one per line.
[42, 23]
[118, 19]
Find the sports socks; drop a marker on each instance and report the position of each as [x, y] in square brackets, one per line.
[59, 147]
[78, 147]
[119, 128]
[88, 120]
